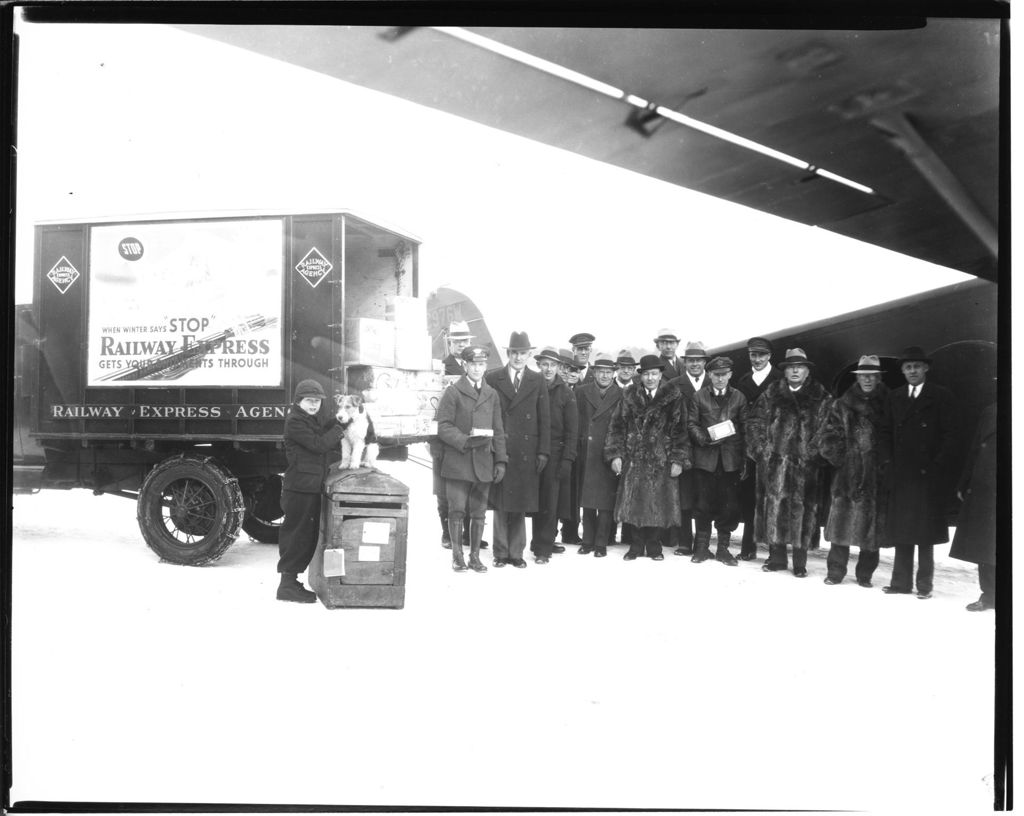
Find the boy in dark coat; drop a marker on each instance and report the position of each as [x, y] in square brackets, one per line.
[848, 440]
[648, 446]
[780, 430]
[596, 402]
[715, 424]
[918, 438]
[555, 478]
[975, 537]
[525, 415]
[473, 454]
[307, 443]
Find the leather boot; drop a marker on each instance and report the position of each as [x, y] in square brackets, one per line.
[446, 537]
[701, 546]
[722, 551]
[476, 532]
[291, 590]
[455, 531]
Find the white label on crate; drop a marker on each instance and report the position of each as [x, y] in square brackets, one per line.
[369, 553]
[376, 532]
[334, 563]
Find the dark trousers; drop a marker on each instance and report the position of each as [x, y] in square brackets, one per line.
[299, 531]
[777, 557]
[987, 580]
[647, 541]
[839, 558]
[509, 535]
[747, 498]
[466, 499]
[903, 567]
[545, 522]
[598, 526]
[717, 500]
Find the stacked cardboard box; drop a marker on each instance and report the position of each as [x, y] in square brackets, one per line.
[412, 340]
[369, 342]
[401, 402]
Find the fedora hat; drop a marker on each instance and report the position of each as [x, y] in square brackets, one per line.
[519, 341]
[602, 360]
[795, 356]
[459, 330]
[760, 345]
[720, 364]
[625, 358]
[914, 354]
[868, 364]
[666, 334]
[651, 361]
[695, 349]
[549, 353]
[567, 357]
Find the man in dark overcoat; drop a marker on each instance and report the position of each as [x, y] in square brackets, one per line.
[918, 438]
[689, 382]
[975, 536]
[568, 371]
[848, 440]
[525, 414]
[578, 372]
[780, 432]
[667, 341]
[472, 435]
[555, 479]
[596, 403]
[582, 346]
[752, 384]
[458, 339]
[648, 447]
[715, 424]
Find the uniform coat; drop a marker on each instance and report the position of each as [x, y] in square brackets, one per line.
[780, 430]
[707, 410]
[564, 443]
[848, 440]
[919, 437]
[526, 417]
[649, 436]
[975, 537]
[461, 409]
[597, 483]
[307, 445]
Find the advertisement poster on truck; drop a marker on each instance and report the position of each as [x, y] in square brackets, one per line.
[186, 304]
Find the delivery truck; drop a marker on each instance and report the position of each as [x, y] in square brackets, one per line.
[159, 357]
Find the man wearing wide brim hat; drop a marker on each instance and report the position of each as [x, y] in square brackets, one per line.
[848, 440]
[667, 341]
[919, 438]
[625, 369]
[781, 427]
[525, 414]
[555, 479]
[459, 339]
[752, 384]
[597, 484]
[648, 446]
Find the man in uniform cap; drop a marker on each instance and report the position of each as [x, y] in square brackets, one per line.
[781, 429]
[648, 446]
[667, 341]
[918, 441]
[469, 426]
[716, 430]
[582, 344]
[525, 415]
[692, 379]
[597, 483]
[752, 384]
[555, 479]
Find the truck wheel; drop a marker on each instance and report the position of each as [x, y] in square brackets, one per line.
[190, 510]
[263, 513]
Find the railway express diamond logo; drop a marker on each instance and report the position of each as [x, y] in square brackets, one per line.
[63, 275]
[314, 267]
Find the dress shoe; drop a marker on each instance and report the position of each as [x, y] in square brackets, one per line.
[658, 557]
[585, 549]
[500, 562]
[923, 596]
[833, 581]
[681, 551]
[799, 572]
[726, 558]
[770, 567]
[979, 606]
[518, 563]
[600, 552]
[294, 591]
[630, 556]
[446, 542]
[864, 583]
[483, 545]
[557, 548]
[891, 590]
[700, 557]
[748, 556]
[539, 560]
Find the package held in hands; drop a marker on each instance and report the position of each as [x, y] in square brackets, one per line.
[369, 342]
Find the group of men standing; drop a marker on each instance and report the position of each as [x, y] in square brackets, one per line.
[669, 447]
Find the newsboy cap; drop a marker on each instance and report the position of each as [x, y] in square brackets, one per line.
[309, 388]
[651, 361]
[519, 341]
[914, 354]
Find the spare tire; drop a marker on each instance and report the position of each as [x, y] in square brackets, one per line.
[190, 509]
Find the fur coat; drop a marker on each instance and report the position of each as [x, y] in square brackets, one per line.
[780, 429]
[975, 537]
[848, 440]
[649, 437]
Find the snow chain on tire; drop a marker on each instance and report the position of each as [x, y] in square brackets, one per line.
[190, 509]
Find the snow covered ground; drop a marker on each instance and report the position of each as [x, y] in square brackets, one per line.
[583, 683]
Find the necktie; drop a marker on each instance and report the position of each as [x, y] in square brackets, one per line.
[913, 391]
[515, 383]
